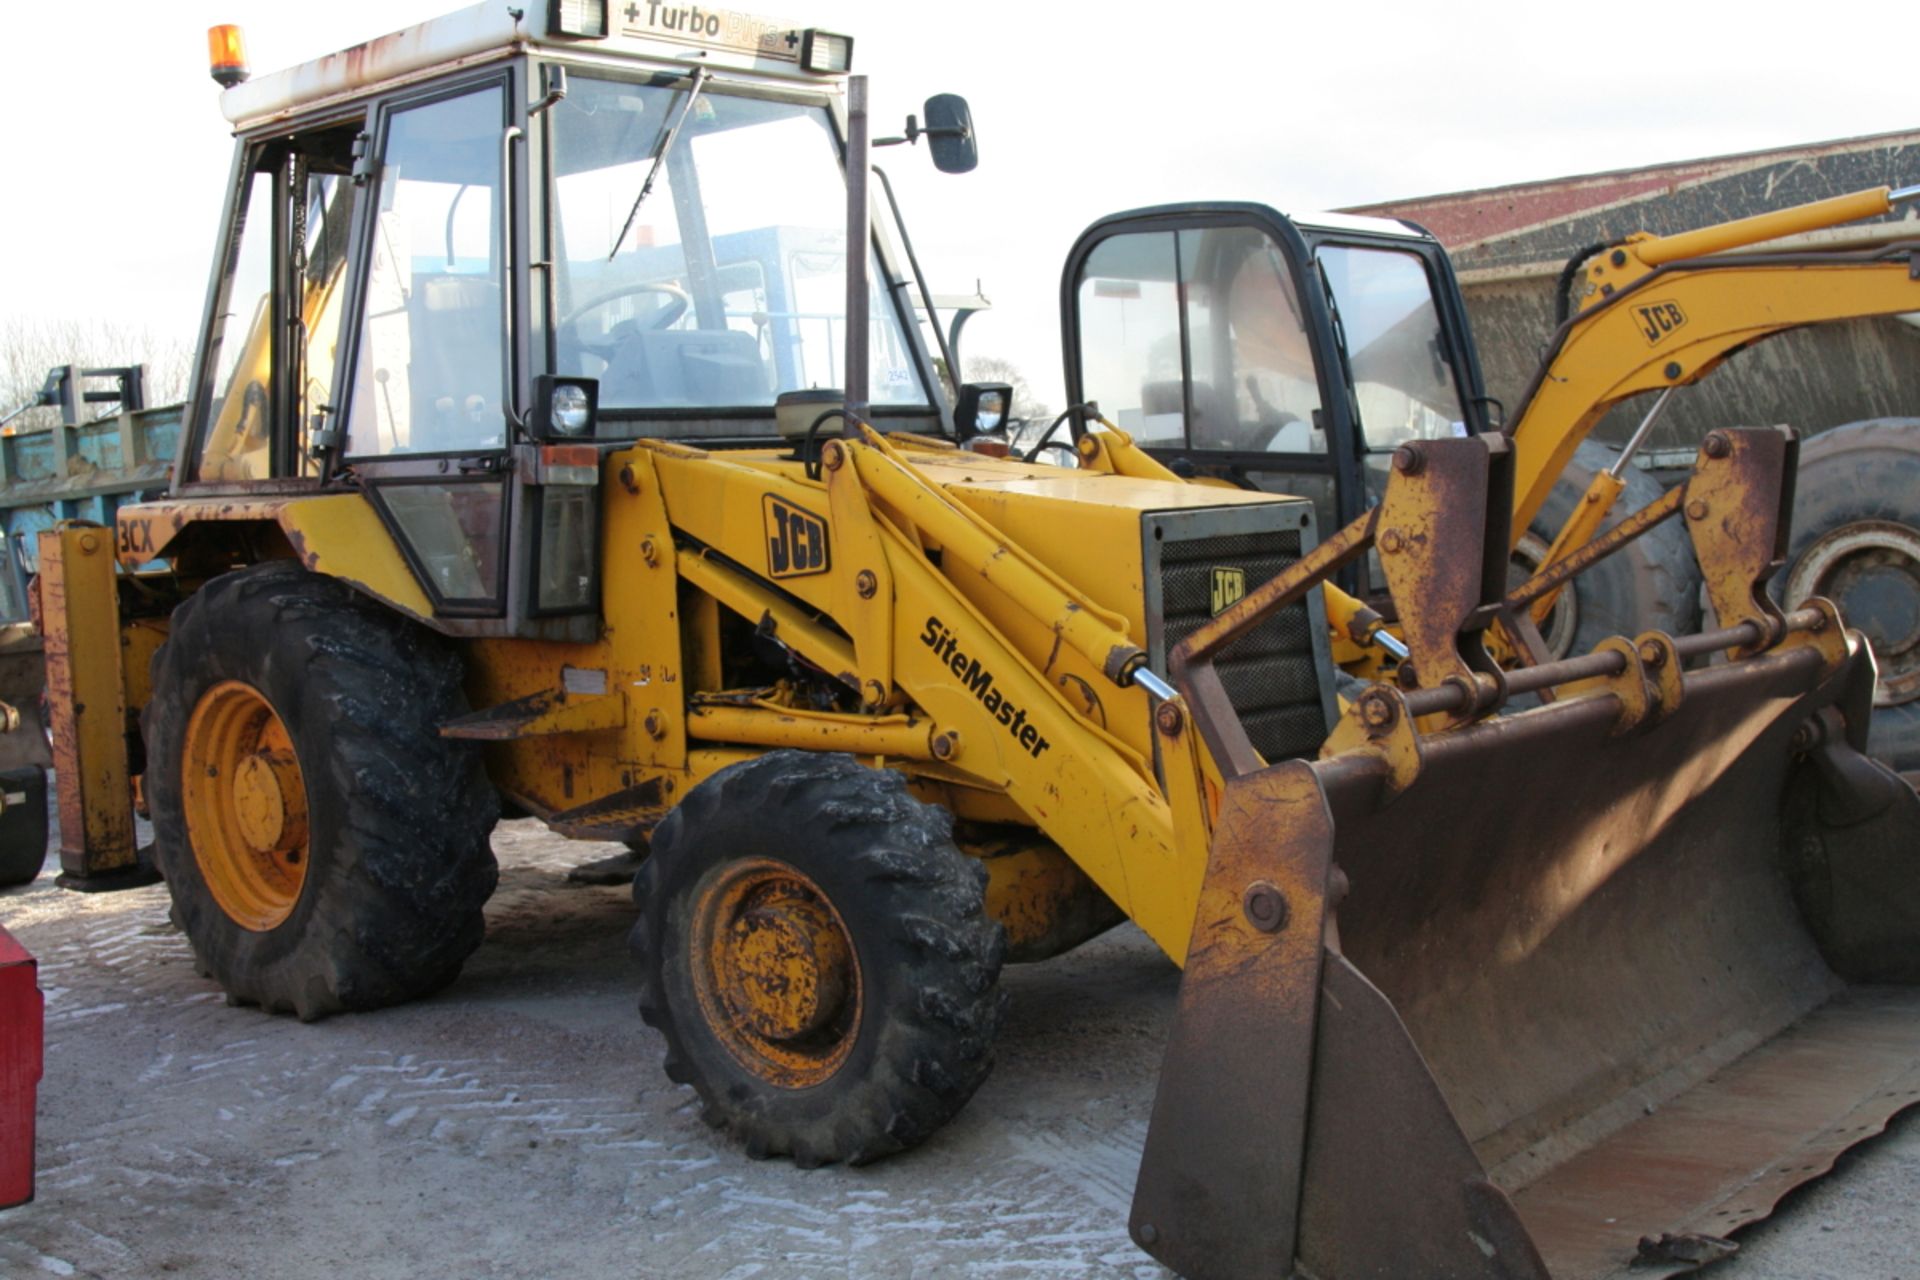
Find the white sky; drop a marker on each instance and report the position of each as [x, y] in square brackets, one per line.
[115, 160]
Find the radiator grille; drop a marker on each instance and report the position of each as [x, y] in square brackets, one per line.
[1272, 675]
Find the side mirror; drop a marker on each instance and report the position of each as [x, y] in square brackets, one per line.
[950, 136]
[982, 409]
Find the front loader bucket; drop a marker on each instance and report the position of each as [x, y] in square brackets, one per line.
[1569, 989]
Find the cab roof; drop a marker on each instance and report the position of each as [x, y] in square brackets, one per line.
[645, 30]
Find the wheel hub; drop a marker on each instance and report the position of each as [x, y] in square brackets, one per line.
[1871, 570]
[775, 972]
[786, 966]
[269, 801]
[246, 805]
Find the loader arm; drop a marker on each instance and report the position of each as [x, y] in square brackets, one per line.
[1007, 678]
[1663, 312]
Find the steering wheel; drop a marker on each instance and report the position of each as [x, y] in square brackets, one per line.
[676, 306]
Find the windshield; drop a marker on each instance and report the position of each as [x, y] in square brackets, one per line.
[729, 287]
[1396, 349]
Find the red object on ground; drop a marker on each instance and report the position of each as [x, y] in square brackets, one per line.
[22, 1031]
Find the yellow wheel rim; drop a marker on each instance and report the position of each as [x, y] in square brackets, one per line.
[774, 970]
[246, 805]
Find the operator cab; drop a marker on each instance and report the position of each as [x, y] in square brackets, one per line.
[1287, 355]
[459, 267]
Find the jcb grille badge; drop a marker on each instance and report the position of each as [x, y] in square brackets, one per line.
[1229, 588]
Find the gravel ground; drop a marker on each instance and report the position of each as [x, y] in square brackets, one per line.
[518, 1125]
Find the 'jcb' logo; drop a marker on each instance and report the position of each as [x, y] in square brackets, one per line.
[1658, 319]
[796, 540]
[1229, 588]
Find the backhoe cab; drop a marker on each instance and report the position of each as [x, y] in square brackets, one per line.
[447, 290]
[561, 437]
[1291, 355]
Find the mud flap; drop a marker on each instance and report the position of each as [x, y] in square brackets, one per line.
[1529, 1010]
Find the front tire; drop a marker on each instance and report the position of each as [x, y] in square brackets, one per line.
[818, 955]
[325, 848]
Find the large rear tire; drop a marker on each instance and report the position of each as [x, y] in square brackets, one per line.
[1651, 584]
[325, 848]
[819, 958]
[1856, 541]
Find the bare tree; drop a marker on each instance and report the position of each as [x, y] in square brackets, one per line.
[29, 347]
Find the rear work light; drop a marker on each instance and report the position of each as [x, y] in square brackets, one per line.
[825, 52]
[227, 54]
[586, 19]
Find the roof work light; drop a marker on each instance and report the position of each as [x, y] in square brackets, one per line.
[580, 18]
[227, 53]
[825, 52]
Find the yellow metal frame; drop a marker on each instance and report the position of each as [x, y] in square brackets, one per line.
[86, 702]
[338, 534]
[1604, 357]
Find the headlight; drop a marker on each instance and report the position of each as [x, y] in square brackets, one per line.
[982, 408]
[991, 412]
[570, 411]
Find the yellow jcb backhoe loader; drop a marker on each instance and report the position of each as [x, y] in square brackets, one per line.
[1655, 315]
[569, 524]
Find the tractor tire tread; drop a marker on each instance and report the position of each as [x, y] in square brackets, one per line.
[400, 816]
[929, 954]
[1866, 470]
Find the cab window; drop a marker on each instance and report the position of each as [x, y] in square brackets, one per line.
[277, 325]
[1196, 339]
[428, 373]
[1403, 378]
[690, 294]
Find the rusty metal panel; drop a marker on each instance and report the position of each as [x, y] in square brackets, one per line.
[86, 706]
[1721, 1155]
[1620, 927]
[1609, 954]
[1239, 1060]
[1392, 1187]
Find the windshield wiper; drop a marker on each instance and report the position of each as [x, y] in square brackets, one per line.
[659, 158]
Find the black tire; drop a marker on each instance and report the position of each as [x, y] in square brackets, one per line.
[398, 863]
[23, 825]
[1651, 584]
[927, 956]
[1856, 540]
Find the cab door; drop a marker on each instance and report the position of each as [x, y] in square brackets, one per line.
[270, 342]
[428, 414]
[1203, 333]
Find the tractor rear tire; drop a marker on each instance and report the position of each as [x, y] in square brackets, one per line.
[819, 958]
[325, 848]
[1856, 541]
[1651, 584]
